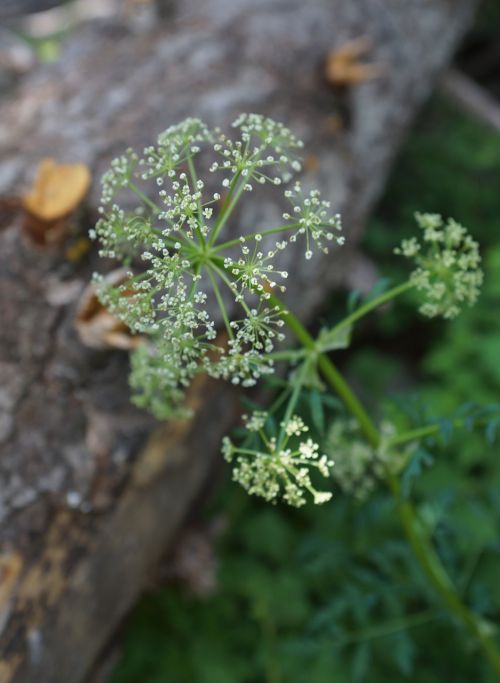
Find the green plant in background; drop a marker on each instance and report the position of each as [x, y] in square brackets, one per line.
[185, 260]
[324, 594]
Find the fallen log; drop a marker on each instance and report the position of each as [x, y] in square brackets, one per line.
[91, 489]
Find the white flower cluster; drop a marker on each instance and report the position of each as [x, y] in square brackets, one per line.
[176, 145]
[119, 175]
[264, 153]
[254, 270]
[357, 464]
[448, 271]
[279, 467]
[170, 238]
[313, 219]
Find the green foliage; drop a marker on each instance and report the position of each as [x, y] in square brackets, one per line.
[322, 594]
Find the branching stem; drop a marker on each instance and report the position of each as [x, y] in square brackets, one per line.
[372, 305]
[252, 235]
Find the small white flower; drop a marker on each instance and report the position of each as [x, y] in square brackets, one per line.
[313, 219]
[295, 426]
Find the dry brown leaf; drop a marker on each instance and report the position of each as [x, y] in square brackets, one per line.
[343, 66]
[56, 193]
[97, 327]
[58, 190]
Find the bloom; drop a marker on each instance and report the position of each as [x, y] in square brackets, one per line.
[183, 283]
[312, 216]
[275, 467]
[448, 272]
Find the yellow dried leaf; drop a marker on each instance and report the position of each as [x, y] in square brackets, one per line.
[343, 66]
[58, 189]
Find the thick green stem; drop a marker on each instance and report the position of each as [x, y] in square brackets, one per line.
[432, 567]
[330, 372]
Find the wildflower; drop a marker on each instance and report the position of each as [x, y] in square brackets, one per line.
[256, 421]
[182, 283]
[353, 458]
[254, 271]
[265, 152]
[119, 176]
[175, 146]
[295, 426]
[275, 468]
[448, 272]
[311, 214]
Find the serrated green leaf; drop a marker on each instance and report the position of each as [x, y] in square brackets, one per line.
[419, 462]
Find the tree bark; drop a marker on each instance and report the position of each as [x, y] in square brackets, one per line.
[91, 489]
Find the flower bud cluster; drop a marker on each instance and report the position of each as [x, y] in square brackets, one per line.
[448, 272]
[358, 465]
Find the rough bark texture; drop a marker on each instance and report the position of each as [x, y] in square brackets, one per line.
[92, 490]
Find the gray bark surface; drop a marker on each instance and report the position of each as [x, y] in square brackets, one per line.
[91, 489]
